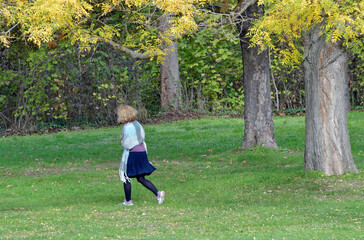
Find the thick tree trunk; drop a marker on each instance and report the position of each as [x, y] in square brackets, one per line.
[170, 82]
[327, 146]
[256, 79]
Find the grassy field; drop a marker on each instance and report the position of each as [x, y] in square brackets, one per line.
[66, 186]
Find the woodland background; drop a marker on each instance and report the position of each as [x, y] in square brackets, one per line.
[59, 85]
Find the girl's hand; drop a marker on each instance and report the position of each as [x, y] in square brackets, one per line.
[121, 136]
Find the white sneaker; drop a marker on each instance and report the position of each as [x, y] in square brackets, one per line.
[160, 197]
[127, 203]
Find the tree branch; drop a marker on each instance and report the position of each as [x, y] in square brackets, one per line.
[242, 7]
[132, 53]
[9, 30]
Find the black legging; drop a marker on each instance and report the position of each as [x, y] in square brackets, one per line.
[146, 183]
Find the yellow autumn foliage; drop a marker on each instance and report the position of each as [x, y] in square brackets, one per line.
[284, 22]
[39, 20]
[84, 21]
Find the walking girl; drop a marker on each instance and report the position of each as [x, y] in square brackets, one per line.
[134, 161]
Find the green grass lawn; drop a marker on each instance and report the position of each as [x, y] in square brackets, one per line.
[66, 186]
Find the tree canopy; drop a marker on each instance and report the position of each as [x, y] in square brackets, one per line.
[125, 24]
[284, 21]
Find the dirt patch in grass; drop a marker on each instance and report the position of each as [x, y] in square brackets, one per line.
[342, 185]
[339, 189]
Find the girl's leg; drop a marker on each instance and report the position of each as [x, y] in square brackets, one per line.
[148, 184]
[127, 190]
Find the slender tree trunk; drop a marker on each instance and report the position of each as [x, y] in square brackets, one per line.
[274, 82]
[347, 93]
[258, 115]
[327, 146]
[170, 82]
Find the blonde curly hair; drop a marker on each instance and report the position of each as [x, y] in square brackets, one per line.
[126, 114]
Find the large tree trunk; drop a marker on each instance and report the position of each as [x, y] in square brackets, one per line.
[327, 146]
[170, 82]
[256, 79]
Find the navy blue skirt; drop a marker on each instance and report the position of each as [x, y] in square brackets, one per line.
[138, 164]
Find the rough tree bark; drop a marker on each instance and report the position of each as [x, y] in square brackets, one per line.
[258, 114]
[169, 70]
[327, 145]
